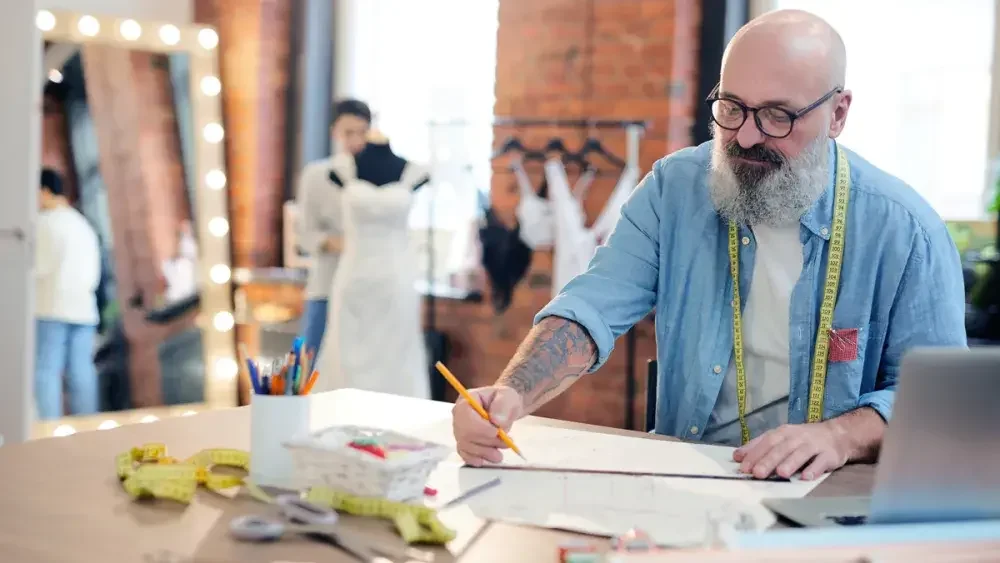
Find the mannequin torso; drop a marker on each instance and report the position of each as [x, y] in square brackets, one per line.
[379, 166]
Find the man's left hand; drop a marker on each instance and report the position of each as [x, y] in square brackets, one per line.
[813, 448]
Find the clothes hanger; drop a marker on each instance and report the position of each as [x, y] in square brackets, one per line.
[557, 145]
[594, 145]
[513, 144]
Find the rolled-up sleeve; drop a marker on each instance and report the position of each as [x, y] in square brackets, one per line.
[929, 310]
[619, 287]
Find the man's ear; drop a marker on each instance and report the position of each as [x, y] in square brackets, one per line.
[841, 107]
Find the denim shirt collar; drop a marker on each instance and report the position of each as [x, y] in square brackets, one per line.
[819, 218]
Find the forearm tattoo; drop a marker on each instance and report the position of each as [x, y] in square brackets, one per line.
[554, 354]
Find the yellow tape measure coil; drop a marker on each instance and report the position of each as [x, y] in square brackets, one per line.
[148, 471]
[835, 258]
[415, 524]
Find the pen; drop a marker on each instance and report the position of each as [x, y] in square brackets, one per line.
[475, 404]
[251, 371]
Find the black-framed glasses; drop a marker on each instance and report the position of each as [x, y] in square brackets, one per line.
[774, 121]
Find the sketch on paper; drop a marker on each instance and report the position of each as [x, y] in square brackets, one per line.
[674, 511]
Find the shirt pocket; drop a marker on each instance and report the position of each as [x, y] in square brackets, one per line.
[845, 368]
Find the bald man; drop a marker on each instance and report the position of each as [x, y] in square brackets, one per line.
[768, 202]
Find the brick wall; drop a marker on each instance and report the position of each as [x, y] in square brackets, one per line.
[56, 152]
[615, 59]
[130, 100]
[254, 61]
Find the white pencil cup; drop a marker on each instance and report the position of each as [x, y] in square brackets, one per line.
[274, 420]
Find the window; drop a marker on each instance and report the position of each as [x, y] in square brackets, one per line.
[920, 71]
[428, 70]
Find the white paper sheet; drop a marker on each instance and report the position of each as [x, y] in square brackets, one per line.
[674, 511]
[667, 509]
[574, 449]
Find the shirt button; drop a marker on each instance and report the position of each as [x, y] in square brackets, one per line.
[694, 429]
[746, 241]
[824, 231]
[717, 369]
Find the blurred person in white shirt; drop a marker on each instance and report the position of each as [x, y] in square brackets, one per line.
[67, 273]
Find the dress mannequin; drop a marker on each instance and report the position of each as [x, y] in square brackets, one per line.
[379, 166]
[373, 338]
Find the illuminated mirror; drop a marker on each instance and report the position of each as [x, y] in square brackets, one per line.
[134, 319]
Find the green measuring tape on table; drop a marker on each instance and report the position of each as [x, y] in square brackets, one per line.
[148, 472]
[835, 258]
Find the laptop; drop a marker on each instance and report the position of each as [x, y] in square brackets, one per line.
[940, 457]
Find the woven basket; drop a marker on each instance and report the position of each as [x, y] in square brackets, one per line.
[324, 458]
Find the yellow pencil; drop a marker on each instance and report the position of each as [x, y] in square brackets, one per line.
[475, 404]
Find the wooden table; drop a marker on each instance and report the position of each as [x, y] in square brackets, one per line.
[61, 502]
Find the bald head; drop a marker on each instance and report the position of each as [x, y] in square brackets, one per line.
[781, 98]
[798, 44]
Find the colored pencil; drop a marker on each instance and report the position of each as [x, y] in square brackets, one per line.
[309, 383]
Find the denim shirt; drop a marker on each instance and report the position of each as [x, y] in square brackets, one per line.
[901, 286]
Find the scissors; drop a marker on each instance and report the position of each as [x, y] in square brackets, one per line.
[301, 517]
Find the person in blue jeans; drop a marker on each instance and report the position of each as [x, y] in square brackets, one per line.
[67, 272]
[319, 208]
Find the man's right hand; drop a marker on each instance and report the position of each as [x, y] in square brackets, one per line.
[476, 439]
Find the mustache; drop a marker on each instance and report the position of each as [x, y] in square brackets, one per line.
[759, 153]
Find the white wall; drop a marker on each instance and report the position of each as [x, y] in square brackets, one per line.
[20, 142]
[422, 62]
[175, 11]
[20, 99]
[921, 109]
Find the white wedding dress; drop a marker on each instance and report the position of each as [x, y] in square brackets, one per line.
[374, 339]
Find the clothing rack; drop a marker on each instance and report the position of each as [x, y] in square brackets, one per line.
[633, 133]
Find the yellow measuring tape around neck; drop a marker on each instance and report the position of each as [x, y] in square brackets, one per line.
[148, 471]
[835, 258]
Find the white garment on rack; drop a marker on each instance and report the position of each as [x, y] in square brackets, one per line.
[374, 339]
[608, 218]
[575, 244]
[534, 213]
[583, 183]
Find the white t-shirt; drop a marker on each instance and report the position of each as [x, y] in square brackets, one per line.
[319, 217]
[67, 267]
[777, 267]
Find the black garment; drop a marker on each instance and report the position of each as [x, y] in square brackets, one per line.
[378, 165]
[505, 258]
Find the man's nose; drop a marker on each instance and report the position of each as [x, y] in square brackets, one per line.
[748, 134]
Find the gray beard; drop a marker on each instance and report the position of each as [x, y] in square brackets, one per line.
[776, 198]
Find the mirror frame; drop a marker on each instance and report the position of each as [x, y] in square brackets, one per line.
[215, 317]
